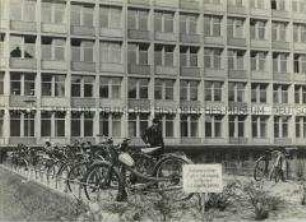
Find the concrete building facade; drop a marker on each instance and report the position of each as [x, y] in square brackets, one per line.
[216, 72]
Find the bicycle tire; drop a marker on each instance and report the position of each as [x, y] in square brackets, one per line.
[172, 167]
[277, 174]
[75, 175]
[259, 171]
[103, 177]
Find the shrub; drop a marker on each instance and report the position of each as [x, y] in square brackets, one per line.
[300, 170]
[303, 200]
[222, 200]
[261, 200]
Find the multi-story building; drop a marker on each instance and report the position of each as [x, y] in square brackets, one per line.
[216, 72]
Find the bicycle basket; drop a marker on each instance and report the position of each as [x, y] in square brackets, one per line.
[126, 159]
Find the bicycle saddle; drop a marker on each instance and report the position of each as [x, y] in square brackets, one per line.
[150, 150]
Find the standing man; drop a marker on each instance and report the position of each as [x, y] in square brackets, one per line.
[153, 136]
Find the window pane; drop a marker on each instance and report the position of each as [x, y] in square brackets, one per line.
[46, 124]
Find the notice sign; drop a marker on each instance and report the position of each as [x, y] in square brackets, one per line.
[202, 178]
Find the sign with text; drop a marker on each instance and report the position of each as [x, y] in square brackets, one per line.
[202, 178]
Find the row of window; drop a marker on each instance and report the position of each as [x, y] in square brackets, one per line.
[82, 125]
[164, 55]
[138, 88]
[111, 17]
[81, 14]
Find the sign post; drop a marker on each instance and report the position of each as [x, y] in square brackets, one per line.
[202, 179]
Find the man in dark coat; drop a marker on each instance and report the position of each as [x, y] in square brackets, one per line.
[153, 136]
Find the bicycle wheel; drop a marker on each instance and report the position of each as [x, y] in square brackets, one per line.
[103, 182]
[171, 168]
[76, 175]
[144, 164]
[276, 174]
[260, 169]
[62, 175]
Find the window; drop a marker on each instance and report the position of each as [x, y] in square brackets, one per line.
[258, 29]
[280, 93]
[1, 83]
[82, 86]
[110, 52]
[235, 28]
[3, 9]
[110, 17]
[236, 59]
[110, 124]
[163, 89]
[59, 124]
[280, 63]
[76, 124]
[212, 2]
[189, 56]
[138, 54]
[53, 48]
[300, 127]
[138, 19]
[52, 124]
[259, 92]
[279, 31]
[1, 123]
[137, 123]
[163, 22]
[82, 124]
[212, 25]
[46, 124]
[298, 6]
[167, 124]
[53, 12]
[24, 10]
[213, 91]
[22, 124]
[88, 124]
[28, 124]
[189, 90]
[82, 15]
[2, 45]
[299, 63]
[258, 61]
[278, 5]
[29, 85]
[110, 88]
[236, 126]
[189, 126]
[188, 24]
[236, 92]
[82, 51]
[53, 85]
[259, 126]
[235, 2]
[281, 129]
[259, 4]
[213, 126]
[138, 88]
[22, 84]
[299, 32]
[300, 94]
[15, 120]
[213, 58]
[164, 55]
[22, 47]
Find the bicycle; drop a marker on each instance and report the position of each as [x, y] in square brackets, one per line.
[113, 176]
[279, 166]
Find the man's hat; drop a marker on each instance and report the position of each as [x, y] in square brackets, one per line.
[155, 120]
